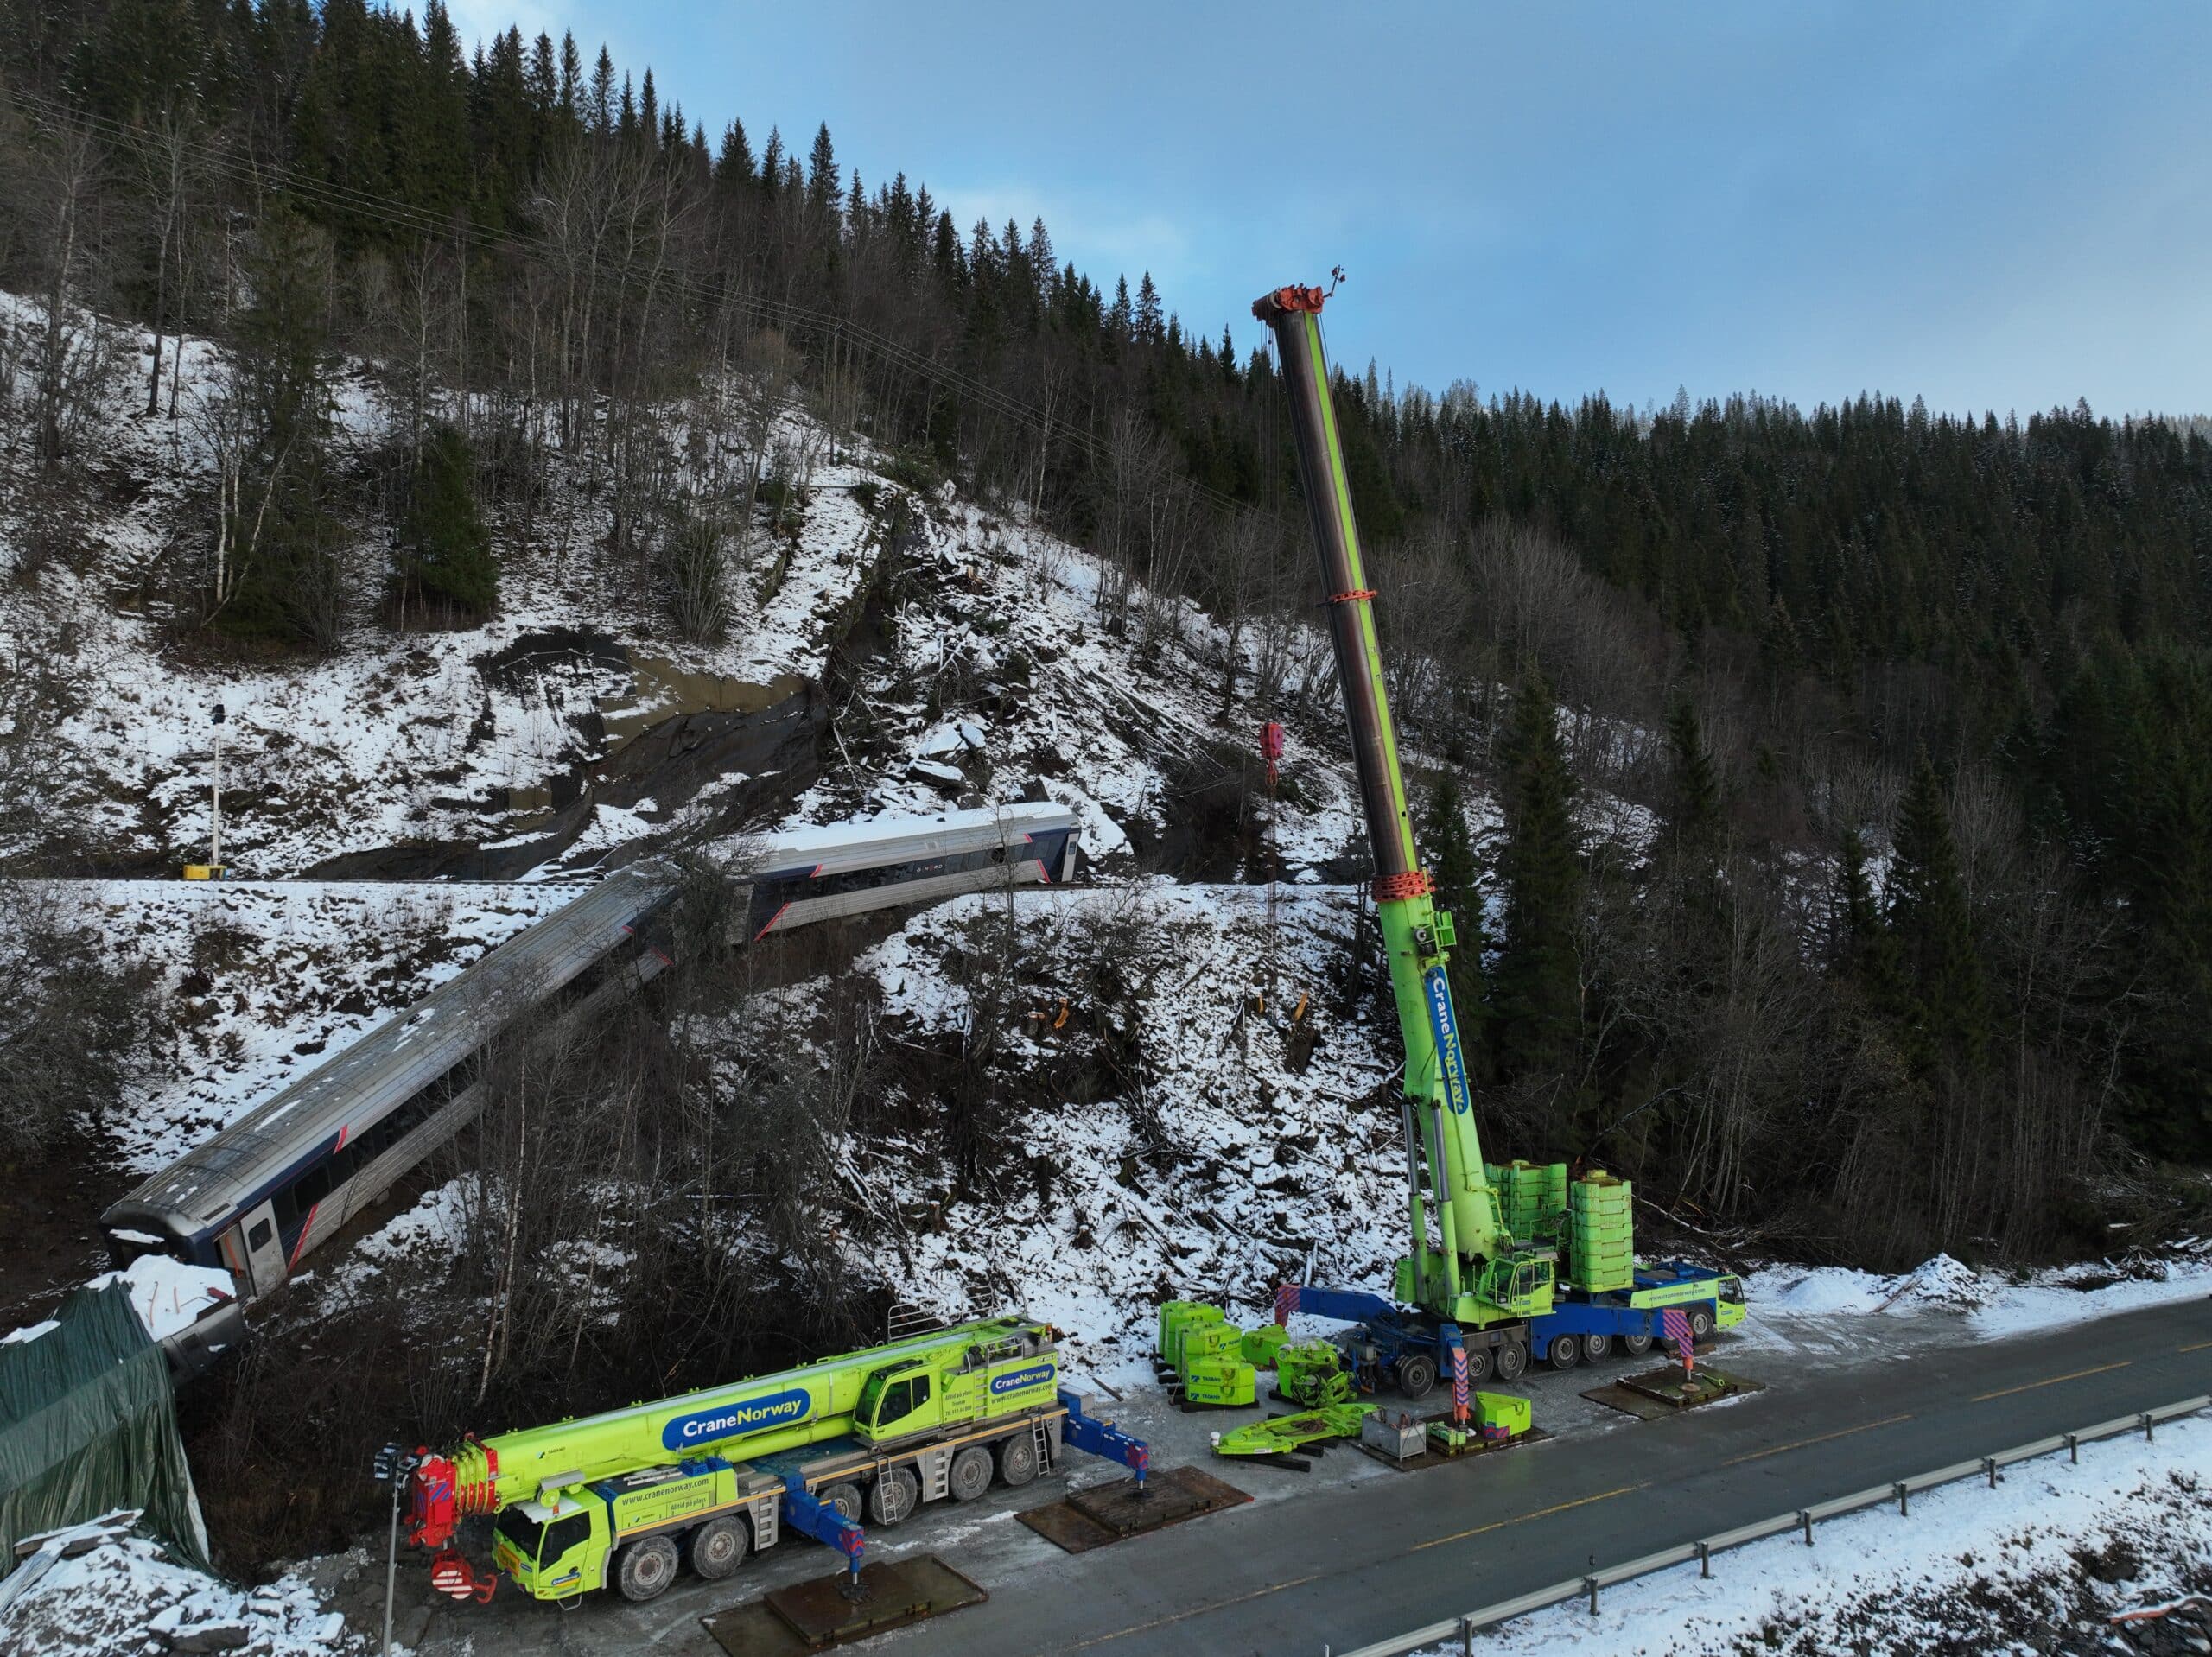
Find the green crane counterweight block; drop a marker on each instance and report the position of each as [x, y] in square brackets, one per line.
[1534, 1198]
[1259, 1346]
[1175, 1317]
[1206, 1351]
[1213, 1369]
[1503, 1415]
[1600, 1233]
[1225, 1381]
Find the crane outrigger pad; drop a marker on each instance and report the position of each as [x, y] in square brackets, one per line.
[1658, 1394]
[816, 1615]
[1116, 1511]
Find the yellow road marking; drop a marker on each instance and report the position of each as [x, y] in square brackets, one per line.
[2199, 1347]
[1196, 1610]
[1276, 1588]
[1841, 1432]
[1541, 1513]
[2029, 1385]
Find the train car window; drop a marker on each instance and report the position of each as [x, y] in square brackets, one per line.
[311, 1187]
[258, 1237]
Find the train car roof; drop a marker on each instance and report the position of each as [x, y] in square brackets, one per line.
[398, 1058]
[886, 839]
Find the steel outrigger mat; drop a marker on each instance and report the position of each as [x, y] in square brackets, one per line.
[1111, 1513]
[816, 1614]
[1660, 1393]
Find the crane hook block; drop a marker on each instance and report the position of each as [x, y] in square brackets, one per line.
[1289, 299]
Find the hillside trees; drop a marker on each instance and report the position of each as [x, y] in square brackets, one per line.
[276, 570]
[1940, 997]
[442, 555]
[72, 1022]
[1536, 990]
[618, 320]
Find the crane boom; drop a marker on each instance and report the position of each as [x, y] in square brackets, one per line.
[1459, 1280]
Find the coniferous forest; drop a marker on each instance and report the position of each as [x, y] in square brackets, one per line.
[1911, 946]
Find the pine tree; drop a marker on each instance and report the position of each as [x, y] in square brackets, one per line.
[1939, 966]
[822, 172]
[1148, 328]
[1453, 864]
[598, 105]
[772, 163]
[1536, 990]
[572, 78]
[443, 556]
[1041, 262]
[1861, 948]
[1695, 821]
[733, 167]
[285, 580]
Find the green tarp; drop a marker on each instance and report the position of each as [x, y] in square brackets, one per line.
[88, 1425]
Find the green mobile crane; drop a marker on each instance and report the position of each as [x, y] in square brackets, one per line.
[624, 1498]
[1553, 1269]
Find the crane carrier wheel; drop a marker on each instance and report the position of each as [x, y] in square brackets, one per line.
[1018, 1458]
[972, 1473]
[646, 1568]
[896, 1495]
[716, 1548]
[1416, 1375]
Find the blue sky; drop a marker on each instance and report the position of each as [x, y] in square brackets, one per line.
[1995, 205]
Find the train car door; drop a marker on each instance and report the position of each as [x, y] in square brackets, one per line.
[264, 1249]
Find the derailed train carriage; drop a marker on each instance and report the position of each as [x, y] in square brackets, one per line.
[259, 1194]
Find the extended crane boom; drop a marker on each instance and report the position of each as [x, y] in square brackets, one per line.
[1460, 1279]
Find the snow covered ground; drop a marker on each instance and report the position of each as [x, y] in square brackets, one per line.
[1993, 1303]
[266, 980]
[122, 1596]
[401, 736]
[1201, 1161]
[2041, 1564]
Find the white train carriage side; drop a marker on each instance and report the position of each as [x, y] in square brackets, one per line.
[259, 1194]
[817, 874]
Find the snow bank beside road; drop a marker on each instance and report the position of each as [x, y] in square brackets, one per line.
[2052, 1553]
[1995, 1304]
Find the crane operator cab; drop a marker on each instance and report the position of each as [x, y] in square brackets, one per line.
[898, 1402]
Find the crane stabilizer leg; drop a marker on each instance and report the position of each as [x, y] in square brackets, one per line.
[809, 1516]
[1416, 935]
[1102, 1439]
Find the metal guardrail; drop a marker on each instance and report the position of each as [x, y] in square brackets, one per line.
[1700, 1552]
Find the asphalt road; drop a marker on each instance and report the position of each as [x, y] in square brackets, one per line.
[1355, 1551]
[1384, 1555]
